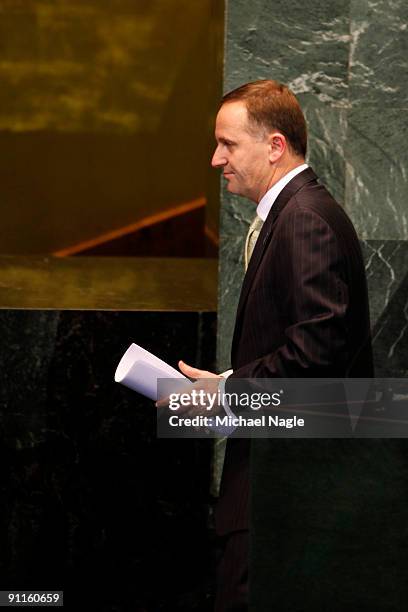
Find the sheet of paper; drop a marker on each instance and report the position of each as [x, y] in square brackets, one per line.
[139, 370]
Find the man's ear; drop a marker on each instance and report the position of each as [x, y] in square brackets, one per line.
[277, 146]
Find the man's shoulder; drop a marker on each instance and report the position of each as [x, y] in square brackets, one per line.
[316, 199]
[314, 195]
[313, 205]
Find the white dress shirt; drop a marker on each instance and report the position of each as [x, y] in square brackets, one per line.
[270, 196]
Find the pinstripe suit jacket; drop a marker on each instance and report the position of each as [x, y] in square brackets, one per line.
[303, 312]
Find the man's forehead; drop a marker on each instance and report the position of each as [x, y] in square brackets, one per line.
[231, 118]
[233, 113]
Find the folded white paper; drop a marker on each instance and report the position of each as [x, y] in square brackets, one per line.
[140, 370]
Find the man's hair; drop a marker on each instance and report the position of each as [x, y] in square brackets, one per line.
[272, 106]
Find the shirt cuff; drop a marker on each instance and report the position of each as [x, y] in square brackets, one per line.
[221, 388]
[226, 373]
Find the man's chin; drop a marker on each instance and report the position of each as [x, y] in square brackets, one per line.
[230, 186]
[233, 186]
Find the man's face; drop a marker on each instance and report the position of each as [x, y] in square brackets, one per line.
[242, 153]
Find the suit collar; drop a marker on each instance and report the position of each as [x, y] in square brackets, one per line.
[301, 179]
[306, 176]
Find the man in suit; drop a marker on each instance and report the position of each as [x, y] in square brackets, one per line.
[303, 309]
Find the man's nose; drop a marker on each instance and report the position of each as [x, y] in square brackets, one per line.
[218, 160]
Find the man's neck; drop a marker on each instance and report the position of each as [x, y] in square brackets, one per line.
[269, 198]
[281, 170]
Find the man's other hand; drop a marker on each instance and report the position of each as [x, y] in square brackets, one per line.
[204, 393]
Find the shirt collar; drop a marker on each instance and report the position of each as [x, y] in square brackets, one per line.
[270, 196]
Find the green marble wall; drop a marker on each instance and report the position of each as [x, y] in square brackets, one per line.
[328, 529]
[347, 62]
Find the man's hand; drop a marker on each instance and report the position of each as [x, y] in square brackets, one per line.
[195, 372]
[204, 393]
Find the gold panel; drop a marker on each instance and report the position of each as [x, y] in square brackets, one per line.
[108, 283]
[106, 119]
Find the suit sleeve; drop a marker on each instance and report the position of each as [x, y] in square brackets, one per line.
[310, 280]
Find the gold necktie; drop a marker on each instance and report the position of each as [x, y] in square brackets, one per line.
[252, 237]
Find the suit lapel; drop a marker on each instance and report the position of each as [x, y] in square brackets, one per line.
[306, 176]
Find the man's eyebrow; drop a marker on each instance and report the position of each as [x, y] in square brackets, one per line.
[223, 140]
